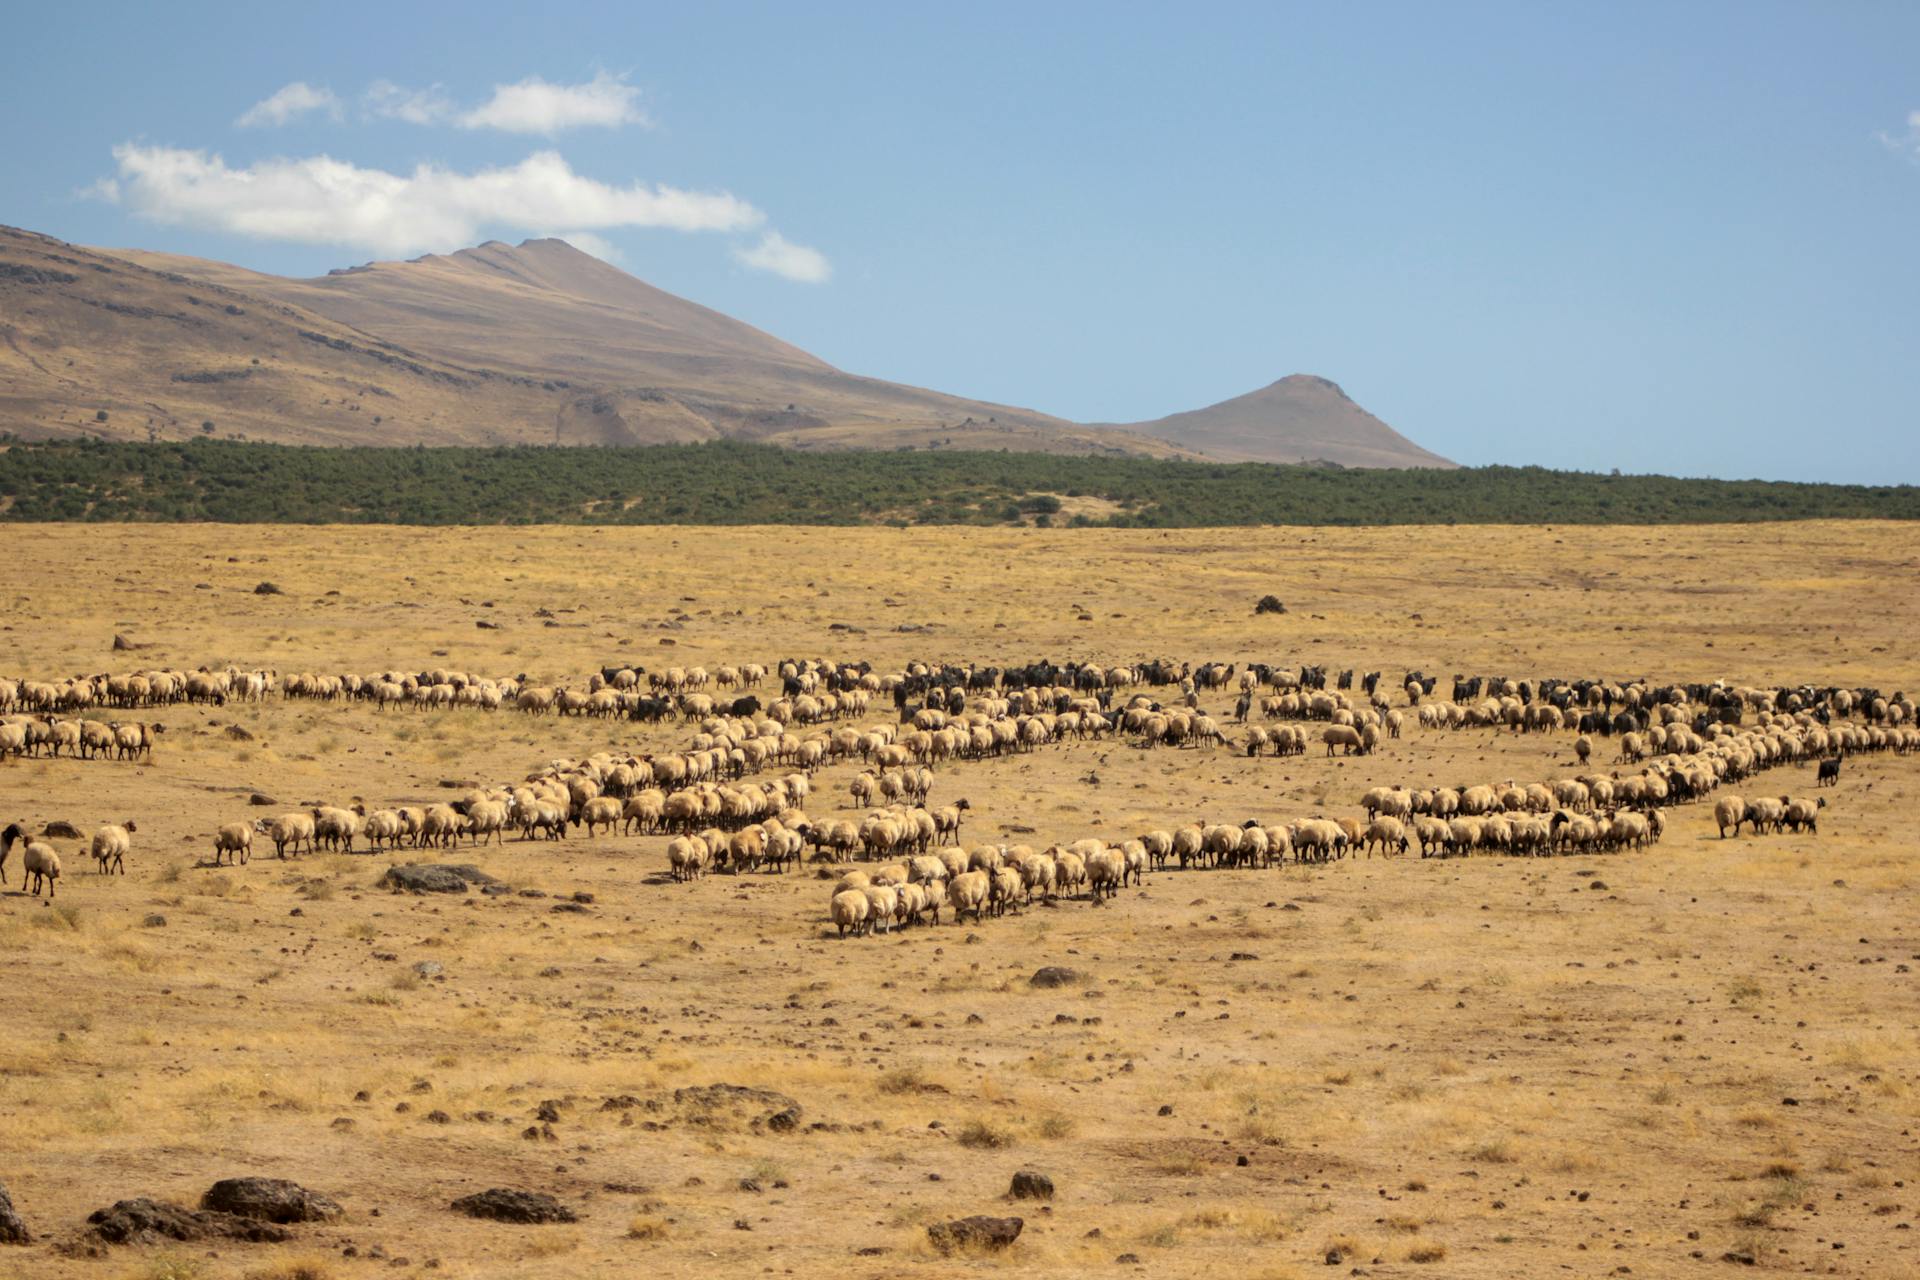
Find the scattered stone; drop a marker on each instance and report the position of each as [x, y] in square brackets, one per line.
[239, 733]
[710, 1102]
[976, 1233]
[12, 1229]
[154, 921]
[502, 1204]
[1269, 604]
[261, 801]
[269, 1200]
[429, 968]
[144, 1221]
[435, 878]
[61, 831]
[1127, 1258]
[1166, 1109]
[1054, 975]
[267, 589]
[1029, 1184]
[1243, 955]
[121, 644]
[437, 1116]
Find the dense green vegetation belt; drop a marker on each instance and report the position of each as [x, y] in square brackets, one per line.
[728, 483]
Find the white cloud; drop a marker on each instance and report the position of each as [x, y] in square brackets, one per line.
[535, 106]
[390, 101]
[296, 99]
[320, 200]
[1908, 143]
[781, 256]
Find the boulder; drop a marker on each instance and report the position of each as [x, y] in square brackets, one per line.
[266, 589]
[61, 831]
[502, 1204]
[144, 1221]
[1054, 976]
[1029, 1184]
[269, 1200]
[976, 1234]
[12, 1229]
[434, 878]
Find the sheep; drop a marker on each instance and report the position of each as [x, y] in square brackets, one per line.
[1803, 813]
[39, 865]
[1007, 884]
[383, 826]
[970, 891]
[1389, 833]
[337, 827]
[487, 821]
[1105, 871]
[291, 830]
[602, 811]
[686, 857]
[884, 903]
[110, 847]
[1341, 735]
[234, 843]
[851, 910]
[1766, 814]
[1729, 811]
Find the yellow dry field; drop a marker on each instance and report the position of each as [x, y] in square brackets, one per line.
[1635, 1063]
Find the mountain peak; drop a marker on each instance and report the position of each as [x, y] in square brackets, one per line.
[1303, 417]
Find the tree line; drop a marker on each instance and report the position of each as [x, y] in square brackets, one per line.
[725, 483]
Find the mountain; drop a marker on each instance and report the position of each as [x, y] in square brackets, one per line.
[536, 343]
[1301, 418]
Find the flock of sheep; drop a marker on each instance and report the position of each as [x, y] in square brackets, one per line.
[1688, 741]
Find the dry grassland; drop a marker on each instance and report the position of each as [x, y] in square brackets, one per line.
[1484, 1067]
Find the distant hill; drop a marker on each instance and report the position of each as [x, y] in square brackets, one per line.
[537, 343]
[1301, 418]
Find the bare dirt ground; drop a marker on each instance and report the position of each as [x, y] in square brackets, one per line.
[1637, 1063]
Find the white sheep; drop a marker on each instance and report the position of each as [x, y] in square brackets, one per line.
[235, 842]
[851, 911]
[110, 847]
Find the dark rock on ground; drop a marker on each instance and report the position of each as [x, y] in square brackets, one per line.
[269, 1200]
[1054, 976]
[61, 831]
[1030, 1184]
[261, 801]
[266, 589]
[144, 1221]
[12, 1229]
[775, 1110]
[435, 878]
[502, 1204]
[976, 1233]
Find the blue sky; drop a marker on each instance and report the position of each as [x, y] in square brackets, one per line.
[1679, 238]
